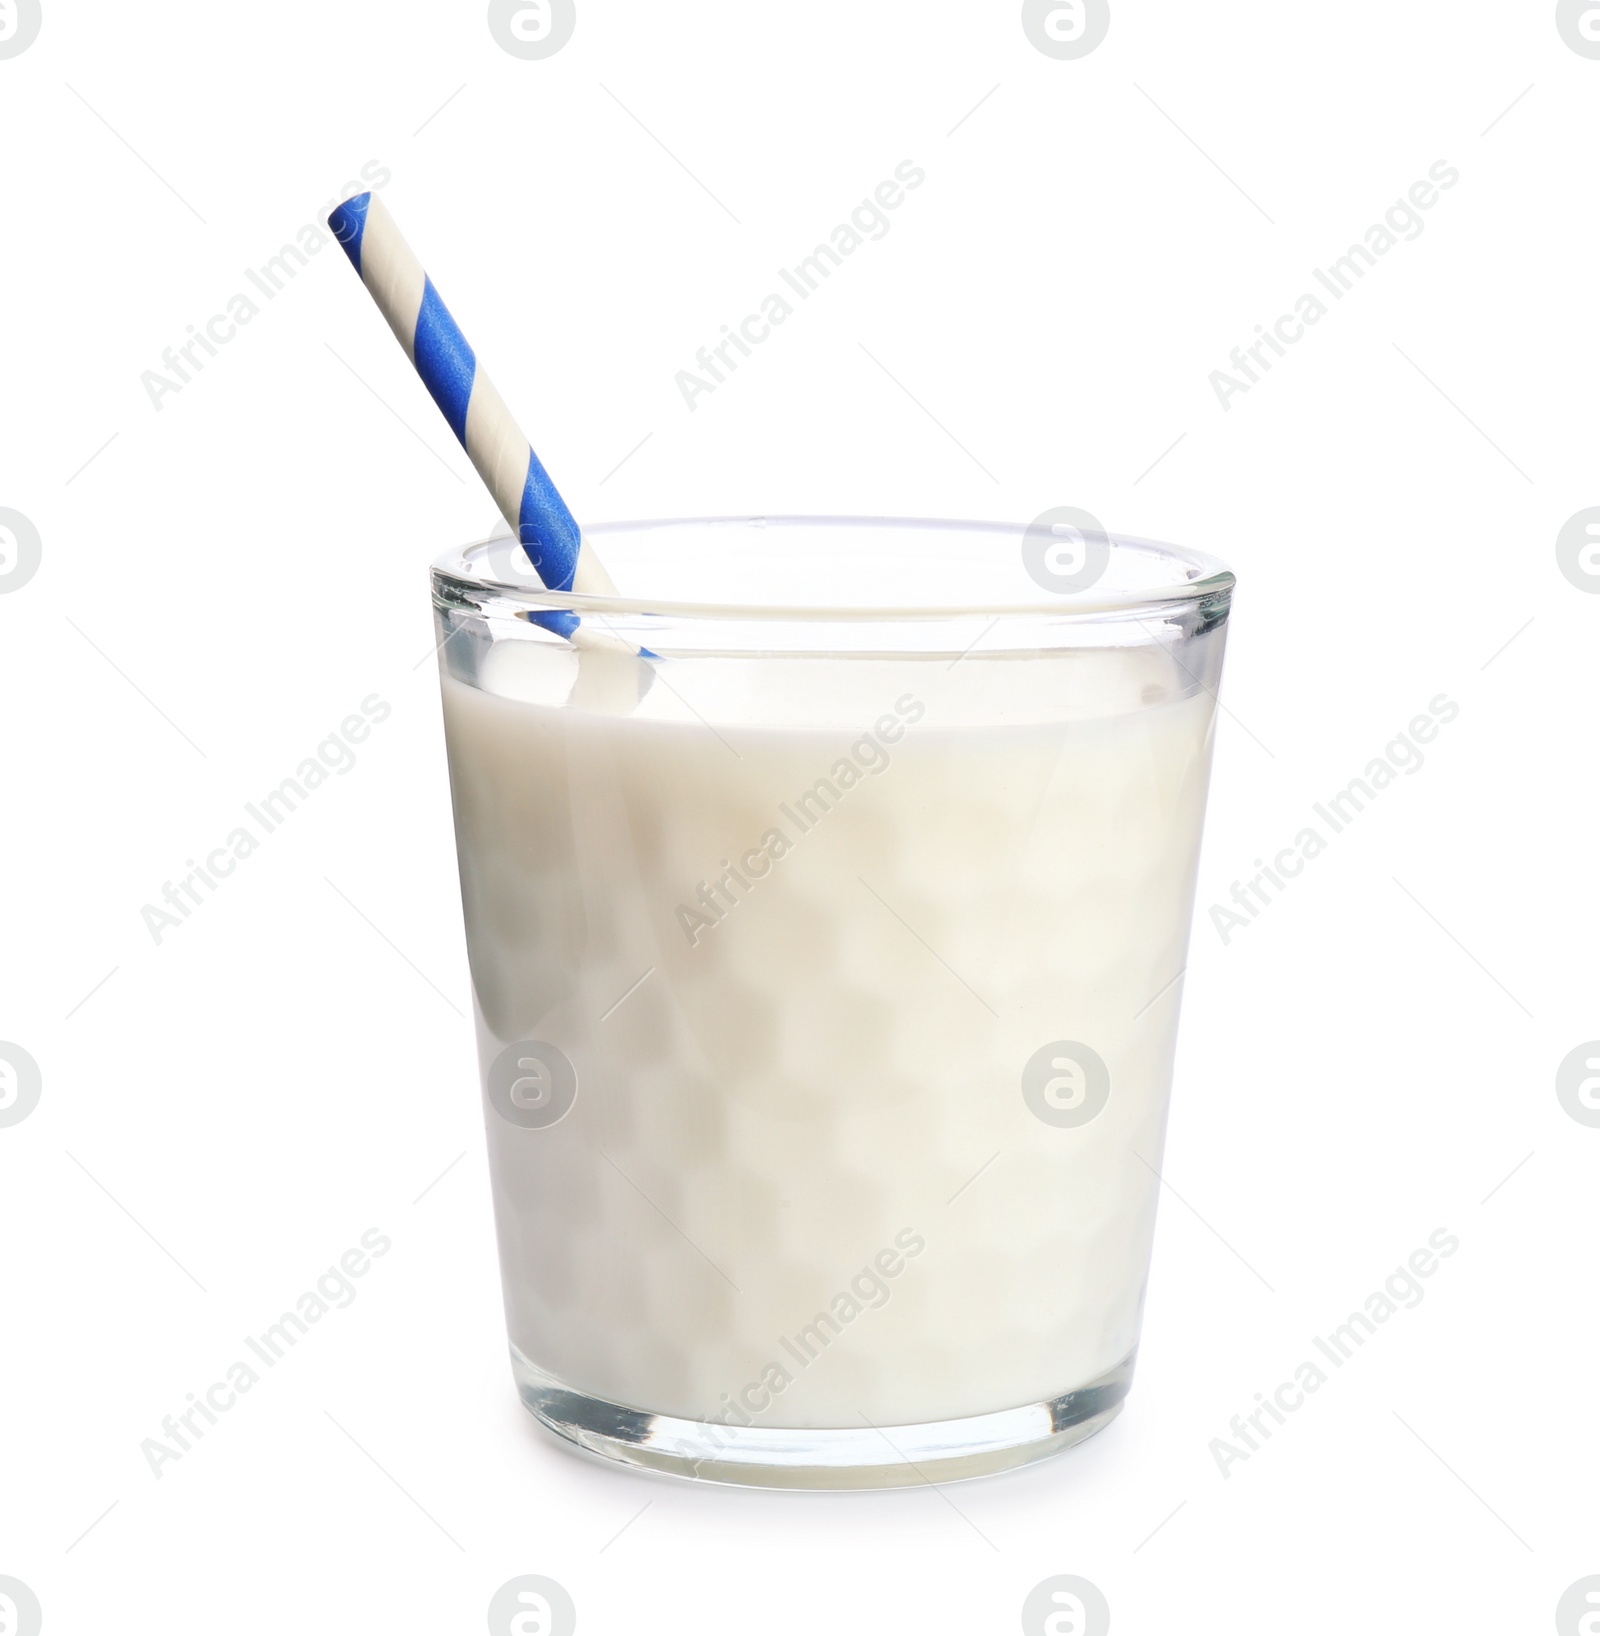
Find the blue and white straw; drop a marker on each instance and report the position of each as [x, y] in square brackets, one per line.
[467, 399]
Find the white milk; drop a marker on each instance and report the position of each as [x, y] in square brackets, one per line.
[763, 1196]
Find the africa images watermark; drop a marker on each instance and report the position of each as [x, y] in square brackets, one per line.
[1402, 222]
[335, 755]
[1066, 1605]
[1577, 1083]
[869, 221]
[21, 550]
[1402, 1290]
[532, 29]
[1577, 550]
[21, 1084]
[180, 364]
[531, 1605]
[867, 1290]
[867, 757]
[1578, 1611]
[20, 1614]
[1065, 549]
[1402, 754]
[1066, 1083]
[1066, 29]
[334, 1291]
[19, 28]
[532, 1084]
[1578, 23]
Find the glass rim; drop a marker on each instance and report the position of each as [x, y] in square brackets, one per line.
[1199, 577]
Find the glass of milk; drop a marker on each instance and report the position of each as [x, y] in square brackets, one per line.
[827, 959]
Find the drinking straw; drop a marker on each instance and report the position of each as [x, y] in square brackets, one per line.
[476, 412]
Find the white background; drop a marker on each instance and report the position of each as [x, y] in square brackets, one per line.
[227, 577]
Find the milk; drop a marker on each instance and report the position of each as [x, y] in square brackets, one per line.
[800, 953]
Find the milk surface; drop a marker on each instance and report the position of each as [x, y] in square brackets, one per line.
[800, 972]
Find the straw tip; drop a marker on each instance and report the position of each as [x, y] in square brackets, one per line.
[349, 223]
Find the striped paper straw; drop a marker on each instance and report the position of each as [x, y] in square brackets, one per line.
[467, 399]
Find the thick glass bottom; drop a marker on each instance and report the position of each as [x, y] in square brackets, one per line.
[865, 1456]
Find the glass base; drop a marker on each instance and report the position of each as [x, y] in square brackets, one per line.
[867, 1456]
